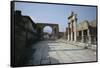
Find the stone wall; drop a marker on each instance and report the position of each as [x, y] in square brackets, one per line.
[24, 34]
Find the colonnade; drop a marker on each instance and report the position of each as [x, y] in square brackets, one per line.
[72, 27]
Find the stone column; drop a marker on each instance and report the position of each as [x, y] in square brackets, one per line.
[82, 40]
[57, 33]
[71, 31]
[68, 31]
[53, 33]
[75, 28]
[89, 36]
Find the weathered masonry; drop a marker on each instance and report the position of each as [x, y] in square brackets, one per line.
[25, 34]
[72, 33]
[87, 32]
[83, 32]
[55, 29]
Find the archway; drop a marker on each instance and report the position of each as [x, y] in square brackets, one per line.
[50, 29]
[47, 32]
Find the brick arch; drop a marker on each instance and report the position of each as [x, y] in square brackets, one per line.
[55, 28]
[47, 26]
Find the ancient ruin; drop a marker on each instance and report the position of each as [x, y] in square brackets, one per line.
[85, 31]
[55, 29]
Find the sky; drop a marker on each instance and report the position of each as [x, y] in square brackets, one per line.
[54, 13]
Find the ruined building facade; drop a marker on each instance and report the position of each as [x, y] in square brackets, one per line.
[25, 34]
[72, 33]
[85, 31]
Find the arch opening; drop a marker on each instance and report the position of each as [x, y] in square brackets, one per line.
[47, 32]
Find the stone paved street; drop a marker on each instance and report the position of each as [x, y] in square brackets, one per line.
[54, 52]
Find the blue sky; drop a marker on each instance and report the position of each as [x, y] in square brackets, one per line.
[53, 13]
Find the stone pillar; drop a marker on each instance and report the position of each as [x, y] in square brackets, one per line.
[71, 31]
[54, 33]
[75, 28]
[68, 31]
[82, 40]
[89, 36]
[57, 33]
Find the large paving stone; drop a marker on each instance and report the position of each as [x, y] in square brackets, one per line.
[55, 52]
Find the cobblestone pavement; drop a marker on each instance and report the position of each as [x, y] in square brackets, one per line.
[55, 52]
